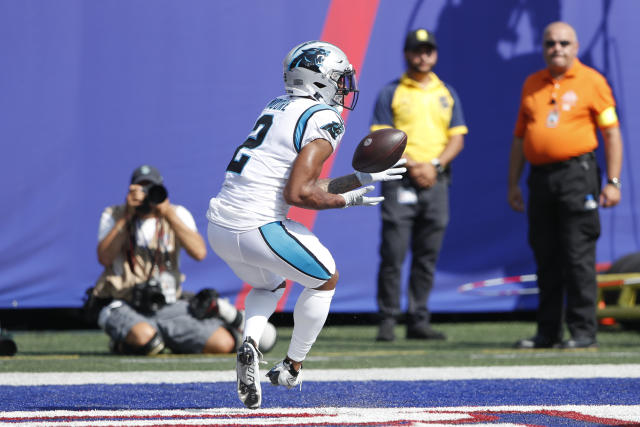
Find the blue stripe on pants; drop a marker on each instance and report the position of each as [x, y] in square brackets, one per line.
[292, 251]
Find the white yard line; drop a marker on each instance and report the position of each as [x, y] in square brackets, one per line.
[390, 374]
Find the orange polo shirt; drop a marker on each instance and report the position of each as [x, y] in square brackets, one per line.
[558, 118]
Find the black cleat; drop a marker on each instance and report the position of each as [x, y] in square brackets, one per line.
[284, 374]
[248, 371]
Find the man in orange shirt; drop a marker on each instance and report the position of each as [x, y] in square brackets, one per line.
[560, 108]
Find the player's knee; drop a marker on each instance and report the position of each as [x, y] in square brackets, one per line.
[330, 284]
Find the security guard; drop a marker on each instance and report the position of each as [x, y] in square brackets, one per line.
[560, 109]
[416, 210]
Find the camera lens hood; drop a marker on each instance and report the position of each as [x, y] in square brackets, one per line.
[157, 194]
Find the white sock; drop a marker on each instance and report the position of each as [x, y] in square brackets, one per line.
[309, 316]
[258, 307]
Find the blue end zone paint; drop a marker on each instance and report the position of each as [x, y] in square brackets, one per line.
[612, 391]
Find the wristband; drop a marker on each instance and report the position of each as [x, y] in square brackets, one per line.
[436, 164]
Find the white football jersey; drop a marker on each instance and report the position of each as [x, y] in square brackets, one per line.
[252, 192]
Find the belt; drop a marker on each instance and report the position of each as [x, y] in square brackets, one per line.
[547, 167]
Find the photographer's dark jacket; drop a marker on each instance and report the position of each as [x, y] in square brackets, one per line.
[136, 264]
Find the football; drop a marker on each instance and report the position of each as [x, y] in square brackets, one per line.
[379, 150]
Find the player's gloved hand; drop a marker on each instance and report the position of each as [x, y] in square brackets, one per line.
[357, 197]
[391, 174]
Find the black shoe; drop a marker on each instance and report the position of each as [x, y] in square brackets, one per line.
[386, 331]
[424, 333]
[247, 369]
[536, 342]
[580, 343]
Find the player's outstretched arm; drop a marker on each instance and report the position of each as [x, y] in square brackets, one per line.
[304, 189]
[359, 179]
[393, 173]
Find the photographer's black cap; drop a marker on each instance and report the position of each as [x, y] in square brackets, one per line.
[419, 37]
[146, 173]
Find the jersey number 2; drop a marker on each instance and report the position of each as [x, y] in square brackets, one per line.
[237, 164]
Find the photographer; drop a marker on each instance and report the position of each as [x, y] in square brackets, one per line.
[138, 300]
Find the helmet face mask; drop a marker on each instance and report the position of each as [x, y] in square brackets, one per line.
[347, 88]
[322, 71]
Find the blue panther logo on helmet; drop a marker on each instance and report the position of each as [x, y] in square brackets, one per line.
[310, 59]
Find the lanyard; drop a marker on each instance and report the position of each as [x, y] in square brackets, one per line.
[135, 226]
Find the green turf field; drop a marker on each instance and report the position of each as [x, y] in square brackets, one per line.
[469, 344]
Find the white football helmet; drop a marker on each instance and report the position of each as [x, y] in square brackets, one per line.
[321, 70]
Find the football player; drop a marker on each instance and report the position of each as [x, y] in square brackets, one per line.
[278, 166]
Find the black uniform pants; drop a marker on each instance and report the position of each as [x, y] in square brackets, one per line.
[564, 226]
[421, 226]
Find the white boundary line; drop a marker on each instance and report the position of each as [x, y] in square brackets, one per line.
[391, 374]
[316, 416]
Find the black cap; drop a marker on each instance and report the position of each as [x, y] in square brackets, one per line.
[146, 173]
[419, 38]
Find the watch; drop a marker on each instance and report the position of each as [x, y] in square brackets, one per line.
[615, 181]
[436, 164]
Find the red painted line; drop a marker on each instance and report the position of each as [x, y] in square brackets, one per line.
[285, 296]
[352, 36]
[306, 418]
[242, 295]
[306, 424]
[572, 415]
[494, 415]
[258, 415]
[569, 415]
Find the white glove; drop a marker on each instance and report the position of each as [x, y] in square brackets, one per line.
[391, 174]
[357, 197]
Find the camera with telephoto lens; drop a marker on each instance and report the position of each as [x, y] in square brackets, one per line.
[156, 194]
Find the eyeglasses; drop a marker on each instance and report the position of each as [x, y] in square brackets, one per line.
[552, 43]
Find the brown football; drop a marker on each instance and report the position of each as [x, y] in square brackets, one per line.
[379, 150]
